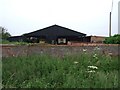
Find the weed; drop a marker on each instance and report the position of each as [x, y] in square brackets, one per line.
[44, 71]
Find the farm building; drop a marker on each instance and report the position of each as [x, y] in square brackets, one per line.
[54, 34]
[15, 38]
[94, 39]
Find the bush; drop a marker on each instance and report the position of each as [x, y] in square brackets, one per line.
[113, 39]
[4, 34]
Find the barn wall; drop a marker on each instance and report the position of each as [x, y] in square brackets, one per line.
[13, 50]
[97, 39]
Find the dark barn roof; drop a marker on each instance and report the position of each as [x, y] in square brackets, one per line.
[15, 38]
[49, 34]
[55, 30]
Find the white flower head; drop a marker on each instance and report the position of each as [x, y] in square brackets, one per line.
[96, 48]
[93, 67]
[76, 62]
[84, 50]
[91, 71]
[13, 55]
[95, 56]
[110, 54]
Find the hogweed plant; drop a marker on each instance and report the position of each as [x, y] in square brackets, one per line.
[95, 56]
[84, 50]
[92, 69]
[75, 62]
[96, 49]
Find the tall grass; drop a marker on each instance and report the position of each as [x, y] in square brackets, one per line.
[15, 43]
[71, 71]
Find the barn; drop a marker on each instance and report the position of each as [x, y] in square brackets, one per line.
[15, 38]
[54, 34]
[94, 39]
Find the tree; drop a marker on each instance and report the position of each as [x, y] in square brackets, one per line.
[113, 39]
[3, 33]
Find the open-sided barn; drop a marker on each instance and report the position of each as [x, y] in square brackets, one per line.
[54, 34]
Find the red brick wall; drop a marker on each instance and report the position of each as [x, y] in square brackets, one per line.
[57, 50]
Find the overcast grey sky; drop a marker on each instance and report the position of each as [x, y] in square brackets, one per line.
[87, 16]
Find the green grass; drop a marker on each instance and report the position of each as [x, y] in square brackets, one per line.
[20, 43]
[15, 43]
[44, 71]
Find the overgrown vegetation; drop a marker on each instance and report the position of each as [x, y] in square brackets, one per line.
[71, 71]
[20, 43]
[4, 34]
[113, 39]
[15, 43]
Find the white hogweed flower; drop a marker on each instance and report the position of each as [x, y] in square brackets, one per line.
[96, 48]
[93, 67]
[75, 62]
[84, 50]
[91, 71]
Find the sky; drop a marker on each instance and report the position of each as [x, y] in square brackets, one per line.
[86, 16]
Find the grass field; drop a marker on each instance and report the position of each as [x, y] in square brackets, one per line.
[71, 71]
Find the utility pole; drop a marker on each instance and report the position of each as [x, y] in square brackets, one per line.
[110, 25]
[110, 20]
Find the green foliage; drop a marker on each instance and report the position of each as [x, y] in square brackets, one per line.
[113, 39]
[44, 71]
[3, 33]
[15, 43]
[5, 42]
